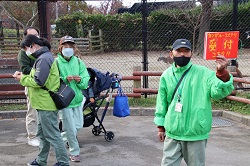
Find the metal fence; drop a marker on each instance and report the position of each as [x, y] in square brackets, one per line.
[123, 32]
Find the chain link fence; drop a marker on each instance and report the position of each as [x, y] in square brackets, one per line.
[113, 42]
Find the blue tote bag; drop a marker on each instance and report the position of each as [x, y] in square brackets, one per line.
[121, 105]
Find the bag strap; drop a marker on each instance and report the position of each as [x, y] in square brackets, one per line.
[44, 87]
[178, 84]
[120, 91]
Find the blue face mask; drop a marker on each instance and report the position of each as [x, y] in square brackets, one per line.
[68, 52]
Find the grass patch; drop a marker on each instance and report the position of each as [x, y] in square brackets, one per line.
[10, 107]
[234, 106]
[142, 102]
[222, 104]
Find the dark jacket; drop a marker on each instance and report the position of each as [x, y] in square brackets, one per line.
[25, 62]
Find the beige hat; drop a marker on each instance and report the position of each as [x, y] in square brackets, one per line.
[66, 39]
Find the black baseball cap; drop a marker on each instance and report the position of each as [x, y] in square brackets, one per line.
[179, 43]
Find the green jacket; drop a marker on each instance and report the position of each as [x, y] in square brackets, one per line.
[25, 62]
[197, 88]
[74, 67]
[43, 73]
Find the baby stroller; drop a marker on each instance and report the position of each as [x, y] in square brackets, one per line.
[99, 83]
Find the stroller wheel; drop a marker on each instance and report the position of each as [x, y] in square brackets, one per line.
[96, 130]
[109, 136]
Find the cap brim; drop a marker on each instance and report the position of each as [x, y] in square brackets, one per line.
[181, 46]
[68, 42]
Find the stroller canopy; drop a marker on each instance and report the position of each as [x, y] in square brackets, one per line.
[100, 81]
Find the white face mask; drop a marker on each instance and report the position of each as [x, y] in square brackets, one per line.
[67, 52]
[28, 53]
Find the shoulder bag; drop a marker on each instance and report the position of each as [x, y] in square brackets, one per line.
[63, 96]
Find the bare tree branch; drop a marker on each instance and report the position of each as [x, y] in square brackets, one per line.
[12, 18]
[32, 19]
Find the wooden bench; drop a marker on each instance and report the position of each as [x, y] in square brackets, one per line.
[10, 90]
[9, 45]
[9, 63]
[9, 87]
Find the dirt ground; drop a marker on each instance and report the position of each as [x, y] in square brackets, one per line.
[124, 62]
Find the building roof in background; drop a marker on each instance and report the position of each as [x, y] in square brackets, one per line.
[152, 6]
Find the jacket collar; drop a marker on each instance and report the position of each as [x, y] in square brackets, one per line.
[181, 69]
[39, 52]
[62, 59]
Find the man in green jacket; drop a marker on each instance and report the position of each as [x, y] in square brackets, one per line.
[184, 115]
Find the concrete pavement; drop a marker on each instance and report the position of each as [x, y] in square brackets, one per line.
[138, 111]
[135, 144]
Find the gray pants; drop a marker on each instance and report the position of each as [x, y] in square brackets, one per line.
[72, 122]
[31, 118]
[193, 152]
[49, 134]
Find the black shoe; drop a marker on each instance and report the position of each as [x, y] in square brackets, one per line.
[33, 163]
[57, 164]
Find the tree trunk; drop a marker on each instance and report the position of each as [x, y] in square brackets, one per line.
[205, 24]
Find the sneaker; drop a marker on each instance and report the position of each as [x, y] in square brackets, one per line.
[33, 142]
[57, 164]
[33, 163]
[75, 158]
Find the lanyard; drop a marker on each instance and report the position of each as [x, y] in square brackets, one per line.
[179, 90]
[179, 82]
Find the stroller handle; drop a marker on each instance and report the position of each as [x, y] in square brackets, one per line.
[115, 77]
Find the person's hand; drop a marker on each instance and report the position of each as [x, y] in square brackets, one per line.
[77, 78]
[161, 136]
[222, 62]
[92, 100]
[70, 78]
[17, 75]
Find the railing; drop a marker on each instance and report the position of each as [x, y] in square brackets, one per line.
[17, 89]
[137, 90]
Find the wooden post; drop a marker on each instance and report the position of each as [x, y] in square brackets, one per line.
[101, 40]
[90, 41]
[137, 84]
[2, 37]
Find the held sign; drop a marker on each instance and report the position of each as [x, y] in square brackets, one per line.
[223, 43]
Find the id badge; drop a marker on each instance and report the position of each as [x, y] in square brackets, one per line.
[178, 107]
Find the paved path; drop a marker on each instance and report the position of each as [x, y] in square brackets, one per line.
[135, 144]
